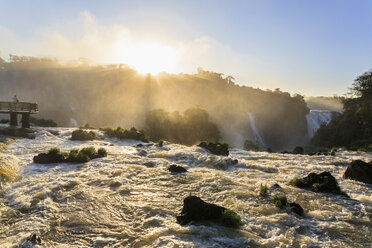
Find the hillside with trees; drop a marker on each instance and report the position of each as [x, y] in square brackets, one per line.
[353, 128]
[116, 95]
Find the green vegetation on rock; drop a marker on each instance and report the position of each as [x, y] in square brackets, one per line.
[216, 148]
[122, 133]
[81, 134]
[322, 182]
[55, 155]
[230, 219]
[280, 201]
[263, 190]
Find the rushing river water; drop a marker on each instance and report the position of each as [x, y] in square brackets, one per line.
[129, 199]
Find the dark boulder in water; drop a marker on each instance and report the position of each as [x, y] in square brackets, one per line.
[359, 170]
[296, 208]
[42, 158]
[176, 169]
[322, 182]
[216, 148]
[298, 150]
[195, 209]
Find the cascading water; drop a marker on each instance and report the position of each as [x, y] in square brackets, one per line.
[130, 199]
[316, 118]
[257, 134]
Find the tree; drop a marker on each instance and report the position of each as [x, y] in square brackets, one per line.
[362, 85]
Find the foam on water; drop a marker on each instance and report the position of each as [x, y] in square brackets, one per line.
[130, 199]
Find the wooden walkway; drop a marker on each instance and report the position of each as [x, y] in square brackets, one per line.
[23, 108]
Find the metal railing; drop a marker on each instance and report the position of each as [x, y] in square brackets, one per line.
[21, 107]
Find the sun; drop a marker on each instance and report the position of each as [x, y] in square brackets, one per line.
[150, 58]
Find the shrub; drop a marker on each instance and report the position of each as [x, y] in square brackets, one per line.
[230, 219]
[263, 190]
[90, 151]
[280, 201]
[4, 121]
[102, 152]
[122, 133]
[80, 134]
[56, 156]
[84, 155]
[188, 128]
[216, 148]
[43, 122]
[297, 182]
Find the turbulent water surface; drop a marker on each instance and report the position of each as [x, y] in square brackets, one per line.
[129, 199]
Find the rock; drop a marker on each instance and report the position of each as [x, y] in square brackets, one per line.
[195, 209]
[149, 164]
[42, 158]
[176, 169]
[139, 145]
[35, 239]
[296, 208]
[216, 148]
[142, 153]
[359, 170]
[322, 182]
[275, 186]
[298, 150]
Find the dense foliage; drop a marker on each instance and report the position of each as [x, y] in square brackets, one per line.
[122, 133]
[80, 134]
[188, 128]
[55, 155]
[43, 122]
[353, 128]
[115, 95]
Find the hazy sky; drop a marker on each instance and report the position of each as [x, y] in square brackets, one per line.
[315, 47]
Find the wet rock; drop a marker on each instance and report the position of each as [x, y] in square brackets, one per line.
[160, 143]
[195, 209]
[296, 208]
[176, 169]
[359, 170]
[42, 158]
[150, 164]
[216, 148]
[139, 145]
[298, 150]
[35, 239]
[142, 153]
[322, 182]
[275, 186]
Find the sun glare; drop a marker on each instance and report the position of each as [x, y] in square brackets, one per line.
[150, 58]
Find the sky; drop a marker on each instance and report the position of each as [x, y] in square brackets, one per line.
[314, 48]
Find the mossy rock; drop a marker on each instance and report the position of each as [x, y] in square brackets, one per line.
[196, 210]
[81, 134]
[84, 155]
[122, 133]
[216, 148]
[322, 182]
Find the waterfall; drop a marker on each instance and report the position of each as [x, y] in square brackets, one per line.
[315, 118]
[258, 139]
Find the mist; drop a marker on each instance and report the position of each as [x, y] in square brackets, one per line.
[116, 95]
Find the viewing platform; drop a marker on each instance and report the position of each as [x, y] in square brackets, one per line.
[23, 108]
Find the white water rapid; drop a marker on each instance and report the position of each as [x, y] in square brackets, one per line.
[130, 199]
